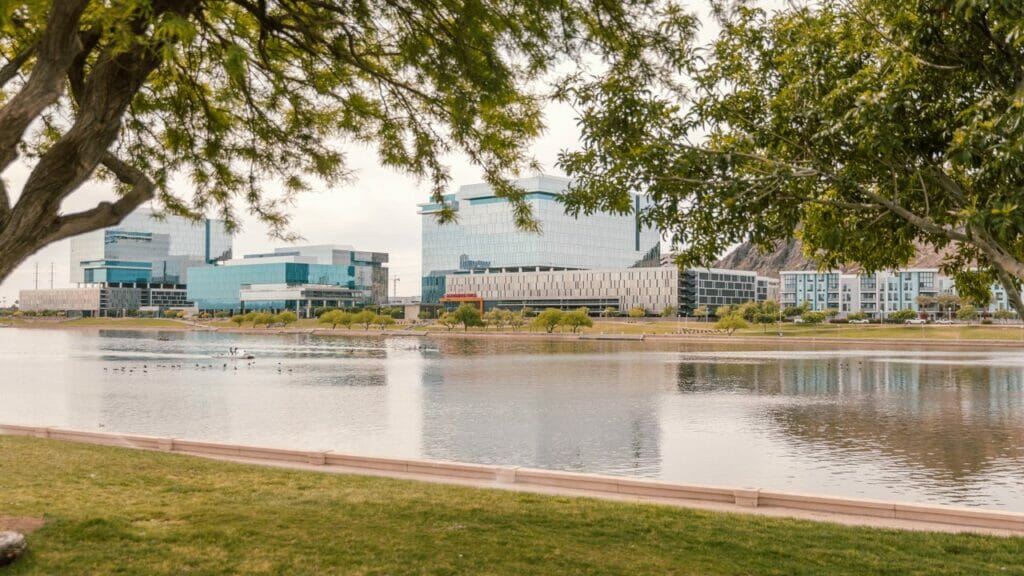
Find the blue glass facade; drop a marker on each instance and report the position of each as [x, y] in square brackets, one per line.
[217, 287]
[309, 270]
[485, 236]
[169, 245]
[106, 271]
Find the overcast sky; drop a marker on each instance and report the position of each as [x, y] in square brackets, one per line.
[376, 212]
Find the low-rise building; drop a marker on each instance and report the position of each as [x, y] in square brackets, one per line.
[877, 294]
[96, 300]
[299, 279]
[654, 289]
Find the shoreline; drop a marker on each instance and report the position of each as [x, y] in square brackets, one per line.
[741, 500]
[183, 326]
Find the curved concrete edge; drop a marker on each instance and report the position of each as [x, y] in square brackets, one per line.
[580, 484]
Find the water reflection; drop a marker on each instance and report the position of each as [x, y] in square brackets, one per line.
[582, 413]
[922, 425]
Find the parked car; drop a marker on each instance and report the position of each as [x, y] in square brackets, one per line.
[916, 321]
[944, 321]
[861, 321]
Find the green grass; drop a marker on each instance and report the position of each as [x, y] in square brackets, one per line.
[895, 332]
[112, 510]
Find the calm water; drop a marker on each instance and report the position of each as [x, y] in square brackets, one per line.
[935, 426]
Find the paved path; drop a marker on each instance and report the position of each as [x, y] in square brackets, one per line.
[845, 519]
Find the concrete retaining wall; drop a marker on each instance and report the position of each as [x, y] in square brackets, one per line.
[586, 483]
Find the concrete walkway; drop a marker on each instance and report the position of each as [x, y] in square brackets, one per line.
[844, 519]
[762, 502]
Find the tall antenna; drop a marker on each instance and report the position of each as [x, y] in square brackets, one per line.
[394, 289]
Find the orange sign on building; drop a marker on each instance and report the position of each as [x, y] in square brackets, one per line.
[470, 297]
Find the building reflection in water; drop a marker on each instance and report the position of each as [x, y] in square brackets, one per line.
[585, 412]
[919, 426]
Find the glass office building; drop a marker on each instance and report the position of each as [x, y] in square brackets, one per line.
[143, 249]
[485, 237]
[359, 278]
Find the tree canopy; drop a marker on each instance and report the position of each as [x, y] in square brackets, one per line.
[864, 127]
[230, 95]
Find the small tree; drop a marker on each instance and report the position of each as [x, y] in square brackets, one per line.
[902, 315]
[346, 319]
[637, 312]
[528, 312]
[467, 315]
[264, 318]
[731, 323]
[170, 313]
[285, 318]
[967, 313]
[577, 319]
[947, 302]
[856, 316]
[764, 319]
[748, 310]
[723, 311]
[1003, 314]
[812, 317]
[238, 320]
[448, 320]
[495, 317]
[548, 319]
[332, 317]
[610, 312]
[923, 301]
[516, 320]
[832, 312]
[700, 312]
[384, 320]
[424, 314]
[364, 318]
[668, 312]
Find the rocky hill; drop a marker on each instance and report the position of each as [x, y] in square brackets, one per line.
[790, 256]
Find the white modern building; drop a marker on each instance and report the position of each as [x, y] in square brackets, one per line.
[877, 294]
[485, 237]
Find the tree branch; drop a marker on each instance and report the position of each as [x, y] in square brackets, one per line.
[106, 213]
[57, 48]
[10, 70]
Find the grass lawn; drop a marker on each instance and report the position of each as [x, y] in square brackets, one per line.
[123, 323]
[895, 332]
[112, 510]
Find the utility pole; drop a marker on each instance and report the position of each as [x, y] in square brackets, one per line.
[394, 288]
[37, 275]
[51, 275]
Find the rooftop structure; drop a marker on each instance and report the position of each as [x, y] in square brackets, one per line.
[146, 249]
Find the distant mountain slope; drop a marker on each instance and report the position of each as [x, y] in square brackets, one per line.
[790, 256]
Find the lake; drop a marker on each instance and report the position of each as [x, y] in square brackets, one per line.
[925, 425]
